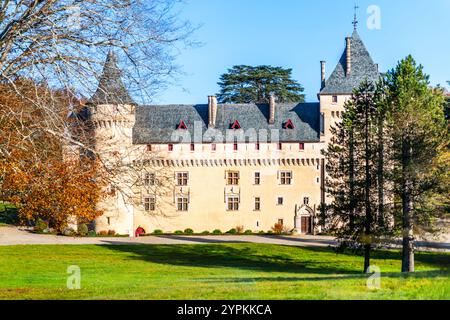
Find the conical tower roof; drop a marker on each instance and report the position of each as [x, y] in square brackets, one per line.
[363, 68]
[111, 89]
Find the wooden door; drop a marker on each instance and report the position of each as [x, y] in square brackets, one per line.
[306, 225]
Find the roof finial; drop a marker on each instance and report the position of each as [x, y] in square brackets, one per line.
[355, 19]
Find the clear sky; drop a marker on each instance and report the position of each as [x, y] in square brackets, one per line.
[298, 34]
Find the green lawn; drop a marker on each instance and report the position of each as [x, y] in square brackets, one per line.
[238, 271]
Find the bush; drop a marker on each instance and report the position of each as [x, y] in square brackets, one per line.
[232, 231]
[217, 232]
[40, 225]
[82, 230]
[205, 233]
[91, 233]
[102, 233]
[189, 231]
[278, 228]
[178, 232]
[111, 233]
[261, 232]
[270, 232]
[247, 232]
[69, 232]
[240, 229]
[157, 231]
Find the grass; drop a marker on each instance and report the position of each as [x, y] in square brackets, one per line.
[219, 271]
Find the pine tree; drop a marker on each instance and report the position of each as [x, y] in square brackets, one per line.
[355, 164]
[417, 126]
[248, 84]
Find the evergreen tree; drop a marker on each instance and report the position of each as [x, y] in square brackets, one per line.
[418, 131]
[247, 84]
[355, 166]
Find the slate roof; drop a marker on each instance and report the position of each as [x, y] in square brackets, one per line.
[362, 67]
[111, 89]
[157, 124]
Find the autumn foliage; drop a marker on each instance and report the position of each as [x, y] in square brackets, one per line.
[34, 173]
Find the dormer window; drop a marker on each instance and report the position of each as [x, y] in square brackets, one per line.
[289, 125]
[182, 125]
[236, 125]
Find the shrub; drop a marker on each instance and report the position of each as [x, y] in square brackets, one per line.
[205, 233]
[40, 225]
[157, 231]
[82, 229]
[270, 232]
[278, 228]
[261, 232]
[91, 233]
[178, 232]
[247, 232]
[102, 233]
[69, 232]
[240, 229]
[189, 231]
[217, 232]
[111, 233]
[232, 231]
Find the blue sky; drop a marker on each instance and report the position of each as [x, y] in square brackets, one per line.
[298, 34]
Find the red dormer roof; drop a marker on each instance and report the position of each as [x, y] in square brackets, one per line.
[289, 125]
[236, 125]
[182, 126]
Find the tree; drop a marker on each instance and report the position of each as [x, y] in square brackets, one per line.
[419, 135]
[355, 167]
[247, 84]
[34, 174]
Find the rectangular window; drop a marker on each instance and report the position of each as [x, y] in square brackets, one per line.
[182, 204]
[301, 146]
[280, 146]
[257, 147]
[170, 147]
[149, 203]
[213, 147]
[192, 147]
[149, 179]
[286, 177]
[306, 200]
[233, 178]
[257, 178]
[182, 178]
[149, 147]
[233, 203]
[335, 99]
[280, 201]
[281, 222]
[257, 204]
[235, 147]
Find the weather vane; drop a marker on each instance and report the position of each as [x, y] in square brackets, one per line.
[355, 20]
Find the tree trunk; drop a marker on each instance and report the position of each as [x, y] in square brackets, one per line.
[367, 187]
[380, 173]
[352, 180]
[407, 205]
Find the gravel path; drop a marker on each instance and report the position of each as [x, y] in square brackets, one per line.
[17, 236]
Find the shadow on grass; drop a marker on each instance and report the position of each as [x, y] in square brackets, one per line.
[247, 257]
[195, 239]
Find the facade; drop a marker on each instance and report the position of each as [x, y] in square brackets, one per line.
[220, 166]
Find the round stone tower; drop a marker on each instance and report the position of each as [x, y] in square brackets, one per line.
[112, 114]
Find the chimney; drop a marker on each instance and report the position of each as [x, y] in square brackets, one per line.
[349, 55]
[322, 74]
[376, 66]
[272, 106]
[212, 111]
